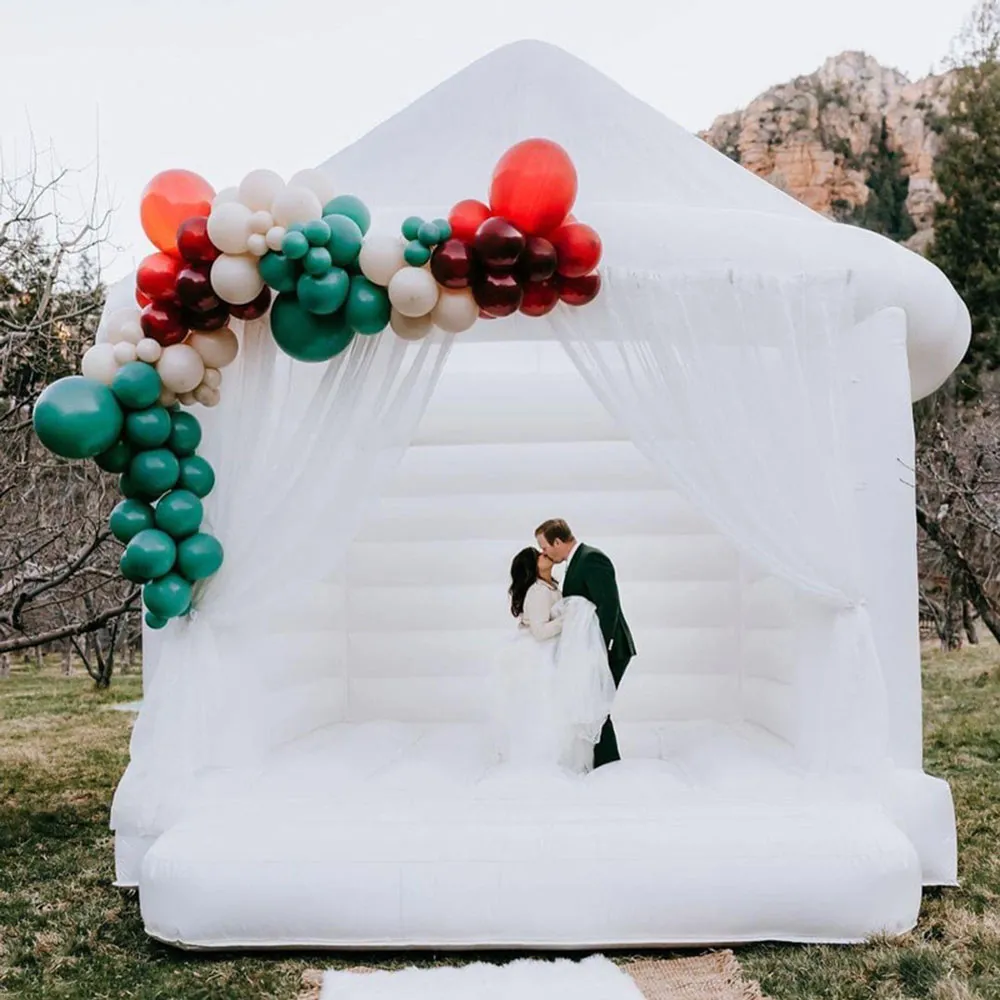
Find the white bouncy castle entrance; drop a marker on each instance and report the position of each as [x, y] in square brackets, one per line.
[730, 421]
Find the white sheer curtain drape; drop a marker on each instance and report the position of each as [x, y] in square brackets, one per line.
[728, 383]
[301, 453]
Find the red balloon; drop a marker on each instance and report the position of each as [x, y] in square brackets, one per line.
[534, 186]
[141, 299]
[193, 243]
[164, 323]
[206, 319]
[194, 290]
[169, 199]
[538, 261]
[579, 291]
[466, 217]
[255, 309]
[483, 314]
[498, 244]
[540, 297]
[156, 276]
[452, 264]
[497, 294]
[578, 247]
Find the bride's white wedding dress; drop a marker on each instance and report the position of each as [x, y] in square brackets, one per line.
[551, 686]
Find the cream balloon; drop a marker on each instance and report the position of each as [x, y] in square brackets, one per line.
[148, 350]
[226, 195]
[229, 227]
[99, 363]
[167, 398]
[235, 279]
[131, 332]
[409, 327]
[118, 322]
[124, 352]
[186, 398]
[456, 310]
[259, 189]
[207, 396]
[212, 378]
[295, 204]
[257, 244]
[217, 348]
[318, 181]
[413, 291]
[275, 237]
[261, 222]
[180, 368]
[381, 257]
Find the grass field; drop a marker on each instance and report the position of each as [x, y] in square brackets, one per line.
[66, 932]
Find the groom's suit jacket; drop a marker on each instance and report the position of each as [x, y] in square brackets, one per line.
[591, 574]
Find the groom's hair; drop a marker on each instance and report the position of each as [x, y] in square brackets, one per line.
[555, 530]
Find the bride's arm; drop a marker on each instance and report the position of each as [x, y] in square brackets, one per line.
[536, 614]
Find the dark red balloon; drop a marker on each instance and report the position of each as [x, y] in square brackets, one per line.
[538, 261]
[156, 276]
[498, 244]
[534, 185]
[579, 291]
[164, 322]
[255, 309]
[540, 297]
[207, 319]
[497, 294]
[578, 248]
[194, 290]
[466, 217]
[453, 264]
[483, 314]
[193, 243]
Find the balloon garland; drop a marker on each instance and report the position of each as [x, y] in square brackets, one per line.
[307, 255]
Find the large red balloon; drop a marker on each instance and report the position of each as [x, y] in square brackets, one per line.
[579, 291]
[578, 248]
[534, 186]
[540, 297]
[156, 276]
[164, 323]
[466, 217]
[497, 294]
[193, 243]
[169, 199]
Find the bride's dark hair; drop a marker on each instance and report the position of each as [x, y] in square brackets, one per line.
[523, 573]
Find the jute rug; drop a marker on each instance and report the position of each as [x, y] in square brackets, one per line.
[715, 976]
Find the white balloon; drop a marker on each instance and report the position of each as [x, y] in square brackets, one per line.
[275, 236]
[257, 245]
[118, 322]
[456, 310]
[229, 227]
[131, 332]
[409, 327]
[259, 188]
[186, 398]
[413, 291]
[124, 352]
[212, 378]
[120, 296]
[217, 348]
[235, 279]
[261, 222]
[99, 363]
[180, 368]
[206, 396]
[167, 398]
[381, 257]
[295, 204]
[148, 350]
[226, 194]
[318, 181]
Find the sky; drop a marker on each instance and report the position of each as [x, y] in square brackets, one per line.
[121, 89]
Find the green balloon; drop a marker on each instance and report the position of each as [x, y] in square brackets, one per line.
[116, 458]
[179, 514]
[78, 417]
[317, 262]
[278, 271]
[351, 206]
[149, 555]
[127, 487]
[416, 254]
[324, 295]
[185, 434]
[317, 233]
[345, 239]
[367, 306]
[137, 385]
[129, 518]
[444, 229]
[155, 621]
[199, 556]
[148, 428]
[196, 476]
[167, 597]
[411, 227]
[154, 472]
[304, 335]
[295, 245]
[429, 234]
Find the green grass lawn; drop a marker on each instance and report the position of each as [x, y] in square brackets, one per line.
[65, 931]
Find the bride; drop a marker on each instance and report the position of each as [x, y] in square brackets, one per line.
[552, 688]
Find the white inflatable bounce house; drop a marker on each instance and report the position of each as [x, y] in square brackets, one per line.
[730, 420]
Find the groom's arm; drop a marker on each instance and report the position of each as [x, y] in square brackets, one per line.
[603, 589]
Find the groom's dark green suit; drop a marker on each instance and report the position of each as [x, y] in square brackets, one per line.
[591, 574]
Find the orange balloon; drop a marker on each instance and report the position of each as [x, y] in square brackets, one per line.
[169, 199]
[534, 186]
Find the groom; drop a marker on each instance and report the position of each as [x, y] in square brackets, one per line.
[590, 574]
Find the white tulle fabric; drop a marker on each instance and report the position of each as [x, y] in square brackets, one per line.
[730, 383]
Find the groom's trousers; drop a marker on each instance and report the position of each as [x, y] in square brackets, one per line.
[606, 748]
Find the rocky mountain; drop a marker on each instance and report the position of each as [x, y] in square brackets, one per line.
[854, 140]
